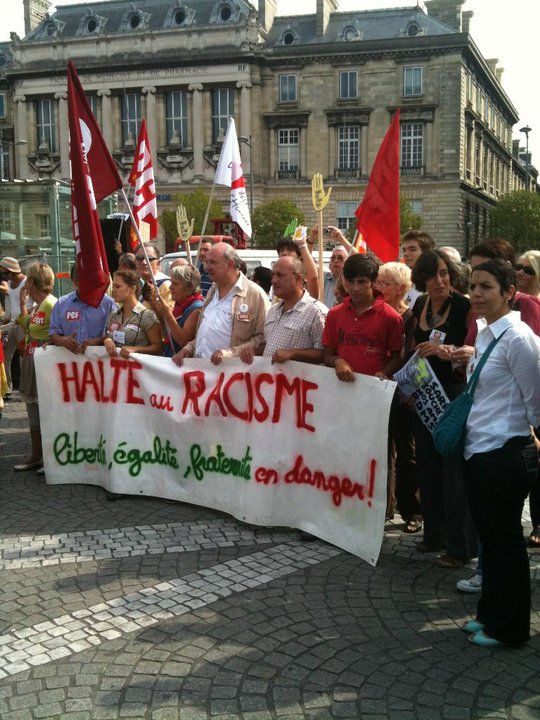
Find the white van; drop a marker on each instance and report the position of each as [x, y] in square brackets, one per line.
[252, 258]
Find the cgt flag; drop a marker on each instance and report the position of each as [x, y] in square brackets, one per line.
[86, 142]
[378, 213]
[142, 179]
[229, 172]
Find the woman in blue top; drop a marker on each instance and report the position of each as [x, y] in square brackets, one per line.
[181, 321]
[501, 459]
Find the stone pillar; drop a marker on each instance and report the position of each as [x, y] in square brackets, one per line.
[431, 151]
[151, 120]
[273, 152]
[364, 134]
[106, 117]
[21, 169]
[245, 117]
[63, 132]
[197, 130]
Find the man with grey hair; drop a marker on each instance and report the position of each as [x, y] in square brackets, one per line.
[294, 325]
[234, 312]
[337, 260]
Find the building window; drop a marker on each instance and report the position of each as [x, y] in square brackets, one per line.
[348, 85]
[345, 217]
[287, 88]
[2, 105]
[176, 118]
[417, 206]
[412, 148]
[44, 226]
[45, 124]
[4, 162]
[288, 152]
[92, 101]
[7, 215]
[222, 110]
[413, 80]
[131, 117]
[348, 149]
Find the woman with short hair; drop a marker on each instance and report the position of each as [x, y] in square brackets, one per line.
[394, 282]
[181, 321]
[35, 324]
[500, 456]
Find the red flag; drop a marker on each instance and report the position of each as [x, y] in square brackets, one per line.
[378, 213]
[91, 257]
[142, 179]
[104, 173]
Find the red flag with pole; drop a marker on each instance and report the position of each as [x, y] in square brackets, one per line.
[378, 213]
[86, 142]
[142, 179]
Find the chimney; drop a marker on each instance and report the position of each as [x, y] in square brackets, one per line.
[466, 21]
[492, 64]
[34, 13]
[499, 73]
[447, 12]
[324, 9]
[267, 13]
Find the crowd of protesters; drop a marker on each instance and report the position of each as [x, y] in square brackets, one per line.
[373, 319]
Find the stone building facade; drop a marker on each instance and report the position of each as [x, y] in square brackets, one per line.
[309, 93]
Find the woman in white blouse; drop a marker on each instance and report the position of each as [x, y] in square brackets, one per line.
[501, 459]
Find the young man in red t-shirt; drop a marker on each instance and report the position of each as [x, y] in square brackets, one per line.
[363, 334]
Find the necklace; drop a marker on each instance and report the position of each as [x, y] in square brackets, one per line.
[434, 319]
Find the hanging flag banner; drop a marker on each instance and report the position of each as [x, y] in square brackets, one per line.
[378, 214]
[142, 179]
[229, 172]
[259, 442]
[84, 140]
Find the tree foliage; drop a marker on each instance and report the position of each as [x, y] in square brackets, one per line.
[195, 203]
[516, 218]
[408, 220]
[270, 220]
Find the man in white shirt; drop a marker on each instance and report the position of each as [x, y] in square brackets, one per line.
[234, 312]
[413, 244]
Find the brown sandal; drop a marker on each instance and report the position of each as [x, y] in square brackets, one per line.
[449, 563]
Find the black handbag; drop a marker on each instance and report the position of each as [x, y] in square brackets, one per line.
[449, 432]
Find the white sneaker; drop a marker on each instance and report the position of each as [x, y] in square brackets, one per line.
[471, 585]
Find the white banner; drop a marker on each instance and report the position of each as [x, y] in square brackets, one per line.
[275, 445]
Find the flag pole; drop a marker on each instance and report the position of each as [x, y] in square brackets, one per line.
[142, 245]
[320, 201]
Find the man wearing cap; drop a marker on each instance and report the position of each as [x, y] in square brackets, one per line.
[12, 287]
[74, 324]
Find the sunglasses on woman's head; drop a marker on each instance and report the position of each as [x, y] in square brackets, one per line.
[527, 269]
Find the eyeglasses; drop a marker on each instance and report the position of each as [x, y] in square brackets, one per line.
[384, 283]
[140, 258]
[527, 269]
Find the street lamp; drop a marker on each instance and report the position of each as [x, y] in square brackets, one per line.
[526, 130]
[247, 141]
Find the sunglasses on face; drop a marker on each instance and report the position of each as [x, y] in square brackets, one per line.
[140, 258]
[527, 269]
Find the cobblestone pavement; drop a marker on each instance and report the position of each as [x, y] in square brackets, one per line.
[144, 608]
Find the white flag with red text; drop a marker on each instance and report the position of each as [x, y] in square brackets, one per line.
[229, 172]
[142, 179]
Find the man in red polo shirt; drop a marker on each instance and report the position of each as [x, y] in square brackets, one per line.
[363, 334]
